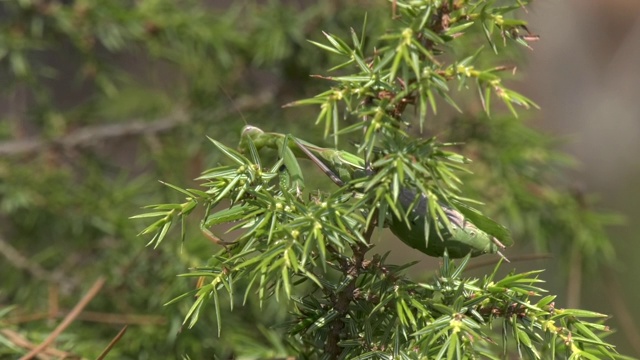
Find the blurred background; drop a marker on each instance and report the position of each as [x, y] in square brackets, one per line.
[100, 99]
[584, 75]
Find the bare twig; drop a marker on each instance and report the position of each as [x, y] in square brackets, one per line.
[68, 319]
[21, 262]
[109, 318]
[53, 303]
[574, 286]
[92, 316]
[19, 341]
[113, 342]
[20, 319]
[94, 134]
[624, 317]
[513, 259]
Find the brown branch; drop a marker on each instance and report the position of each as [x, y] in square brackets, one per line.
[55, 278]
[67, 320]
[19, 341]
[344, 298]
[94, 134]
[92, 316]
[110, 318]
[513, 259]
[19, 261]
[621, 310]
[574, 286]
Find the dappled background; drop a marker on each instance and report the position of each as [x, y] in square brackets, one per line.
[103, 98]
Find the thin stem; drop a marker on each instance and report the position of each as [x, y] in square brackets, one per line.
[620, 308]
[95, 289]
[574, 286]
[113, 342]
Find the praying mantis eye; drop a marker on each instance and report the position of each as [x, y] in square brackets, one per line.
[472, 233]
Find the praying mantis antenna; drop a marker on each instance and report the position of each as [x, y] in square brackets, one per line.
[233, 104]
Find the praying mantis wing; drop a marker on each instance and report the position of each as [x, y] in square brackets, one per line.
[421, 233]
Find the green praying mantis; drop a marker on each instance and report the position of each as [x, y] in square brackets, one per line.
[468, 231]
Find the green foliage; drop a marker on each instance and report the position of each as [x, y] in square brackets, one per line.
[312, 253]
[311, 249]
[100, 94]
[108, 96]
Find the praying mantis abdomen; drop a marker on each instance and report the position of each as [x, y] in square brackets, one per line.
[461, 239]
